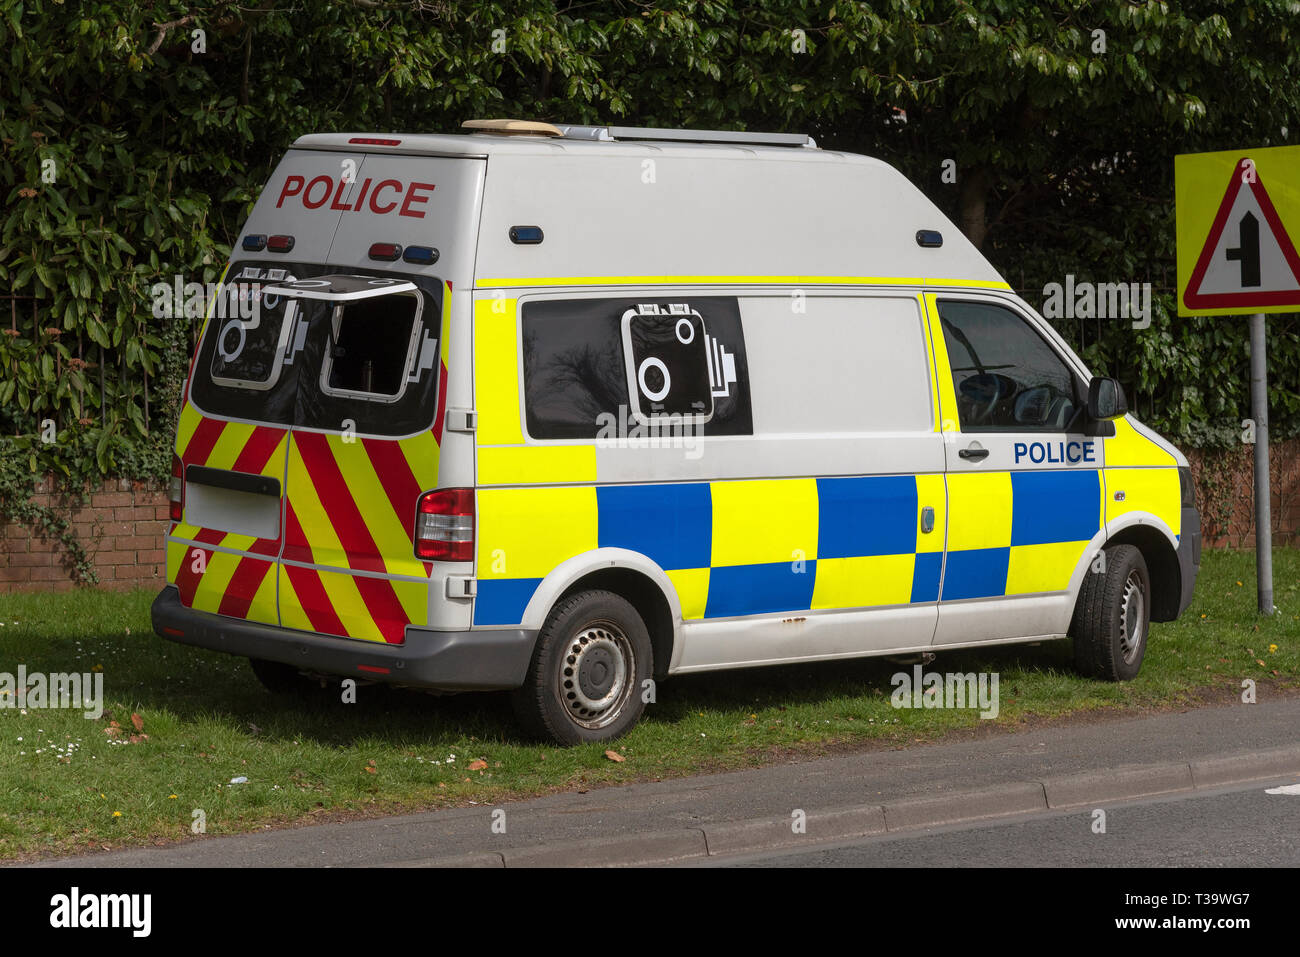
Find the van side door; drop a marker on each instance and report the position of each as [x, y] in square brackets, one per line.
[1024, 488]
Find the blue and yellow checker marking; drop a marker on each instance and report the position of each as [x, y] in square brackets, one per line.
[729, 548]
[741, 548]
[1018, 533]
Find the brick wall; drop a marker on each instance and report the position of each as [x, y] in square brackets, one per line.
[1225, 492]
[122, 527]
[124, 524]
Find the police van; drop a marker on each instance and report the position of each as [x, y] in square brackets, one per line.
[568, 410]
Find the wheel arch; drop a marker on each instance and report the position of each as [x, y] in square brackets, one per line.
[1159, 550]
[627, 574]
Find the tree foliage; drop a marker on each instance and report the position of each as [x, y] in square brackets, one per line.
[160, 138]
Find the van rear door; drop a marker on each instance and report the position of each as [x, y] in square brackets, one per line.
[232, 441]
[363, 447]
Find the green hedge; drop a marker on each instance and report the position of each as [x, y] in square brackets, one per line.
[160, 138]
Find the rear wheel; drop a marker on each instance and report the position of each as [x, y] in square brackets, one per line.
[1113, 616]
[584, 682]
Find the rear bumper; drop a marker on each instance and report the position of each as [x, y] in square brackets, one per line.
[1189, 555]
[444, 660]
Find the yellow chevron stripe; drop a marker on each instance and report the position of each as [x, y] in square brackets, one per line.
[291, 613]
[444, 335]
[421, 453]
[175, 558]
[229, 444]
[325, 546]
[349, 605]
[189, 421]
[264, 607]
[414, 597]
[216, 579]
[363, 484]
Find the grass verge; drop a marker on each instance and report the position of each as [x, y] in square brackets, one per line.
[70, 783]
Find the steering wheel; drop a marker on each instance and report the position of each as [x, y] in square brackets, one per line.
[984, 391]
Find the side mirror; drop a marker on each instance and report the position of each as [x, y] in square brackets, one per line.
[1106, 399]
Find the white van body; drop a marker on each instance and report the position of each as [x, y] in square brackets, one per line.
[685, 400]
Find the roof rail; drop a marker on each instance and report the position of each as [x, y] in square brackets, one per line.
[613, 133]
[729, 137]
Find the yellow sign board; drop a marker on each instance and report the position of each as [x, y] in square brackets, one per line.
[1238, 230]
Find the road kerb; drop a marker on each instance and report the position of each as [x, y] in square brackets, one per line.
[661, 847]
[960, 806]
[1109, 785]
[760, 834]
[1234, 768]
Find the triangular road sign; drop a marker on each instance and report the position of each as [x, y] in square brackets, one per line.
[1248, 258]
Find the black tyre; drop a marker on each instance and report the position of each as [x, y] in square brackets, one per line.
[1113, 616]
[585, 679]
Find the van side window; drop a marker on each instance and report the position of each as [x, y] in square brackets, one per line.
[839, 365]
[370, 345]
[577, 369]
[1007, 378]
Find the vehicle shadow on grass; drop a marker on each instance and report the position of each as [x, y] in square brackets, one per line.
[409, 717]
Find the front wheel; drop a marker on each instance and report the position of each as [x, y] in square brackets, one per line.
[584, 682]
[1113, 616]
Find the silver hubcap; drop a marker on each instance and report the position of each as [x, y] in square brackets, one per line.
[595, 677]
[1131, 615]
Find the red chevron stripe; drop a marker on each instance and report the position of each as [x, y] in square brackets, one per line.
[395, 476]
[314, 601]
[187, 580]
[296, 546]
[390, 617]
[441, 415]
[259, 448]
[354, 535]
[341, 509]
[202, 441]
[242, 587]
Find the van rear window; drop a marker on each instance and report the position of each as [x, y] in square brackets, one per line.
[248, 350]
[371, 365]
[370, 346]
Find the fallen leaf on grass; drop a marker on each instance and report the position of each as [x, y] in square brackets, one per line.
[478, 764]
[137, 721]
[370, 767]
[615, 756]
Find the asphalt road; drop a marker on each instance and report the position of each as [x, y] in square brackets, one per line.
[712, 814]
[1243, 827]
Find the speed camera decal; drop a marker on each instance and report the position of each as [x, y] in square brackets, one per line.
[668, 361]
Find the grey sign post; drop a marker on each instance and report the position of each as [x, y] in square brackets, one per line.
[1259, 412]
[1238, 228]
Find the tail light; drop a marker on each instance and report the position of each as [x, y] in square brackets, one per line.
[444, 525]
[176, 491]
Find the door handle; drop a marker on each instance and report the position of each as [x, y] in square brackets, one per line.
[974, 454]
[927, 520]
